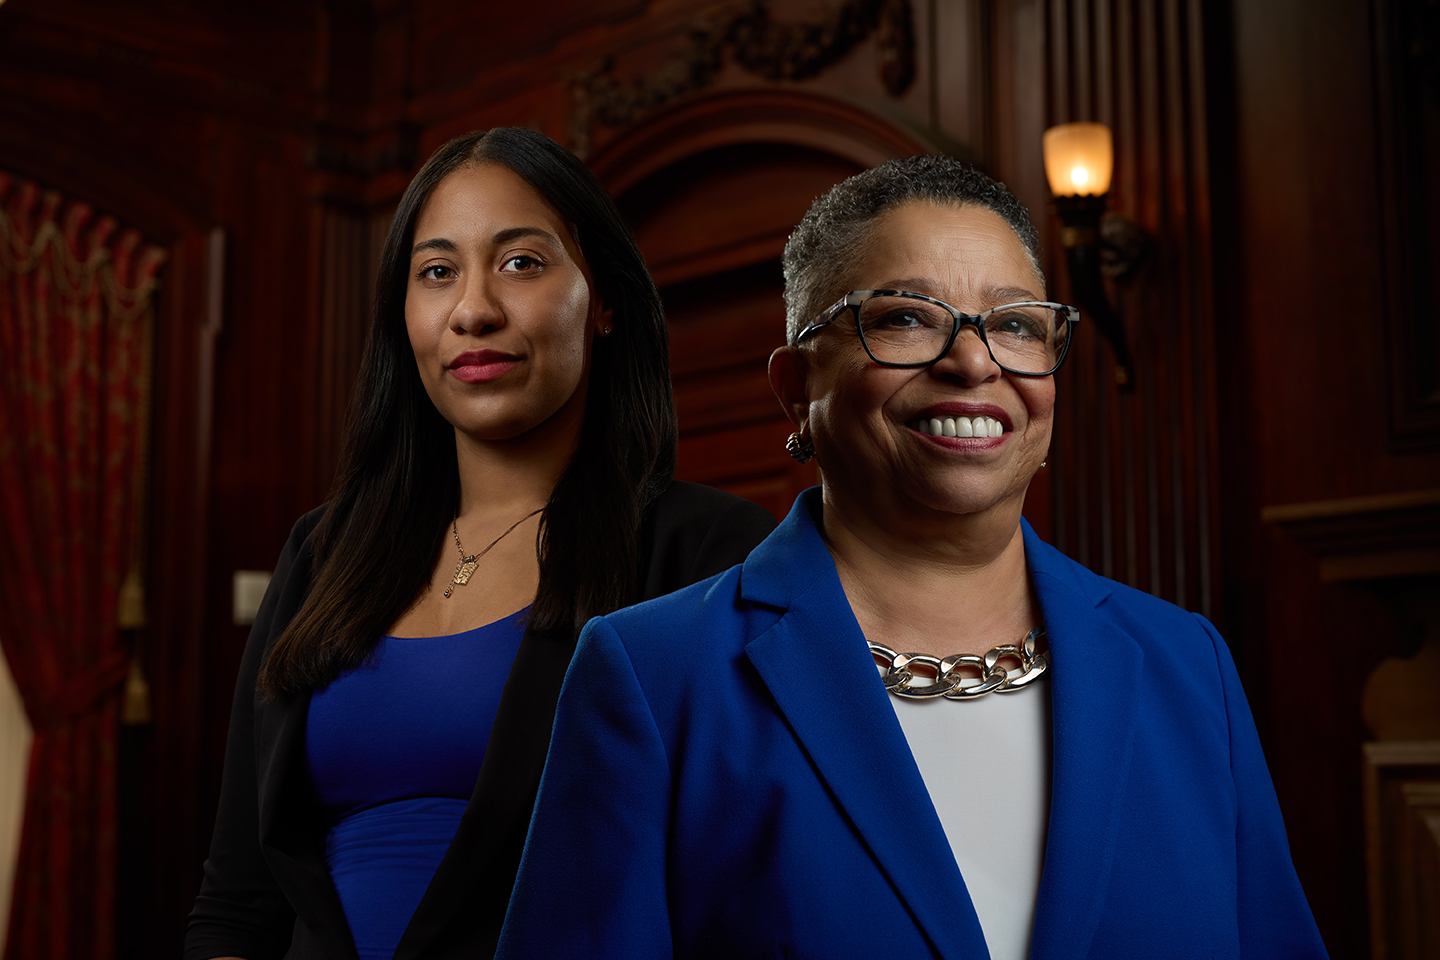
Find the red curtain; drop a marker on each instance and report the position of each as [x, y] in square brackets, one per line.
[76, 315]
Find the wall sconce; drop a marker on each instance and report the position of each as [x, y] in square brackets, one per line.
[1079, 159]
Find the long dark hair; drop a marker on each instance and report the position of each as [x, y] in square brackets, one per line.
[399, 485]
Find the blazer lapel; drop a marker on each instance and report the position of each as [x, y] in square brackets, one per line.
[816, 665]
[1095, 677]
[289, 839]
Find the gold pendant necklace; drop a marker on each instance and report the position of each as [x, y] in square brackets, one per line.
[467, 565]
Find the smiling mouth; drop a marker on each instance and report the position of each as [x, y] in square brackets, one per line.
[962, 427]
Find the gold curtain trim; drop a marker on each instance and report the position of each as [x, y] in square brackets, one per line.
[76, 280]
[79, 277]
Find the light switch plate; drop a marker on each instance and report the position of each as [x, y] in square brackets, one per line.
[249, 590]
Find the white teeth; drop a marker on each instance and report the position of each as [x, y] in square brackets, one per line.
[956, 426]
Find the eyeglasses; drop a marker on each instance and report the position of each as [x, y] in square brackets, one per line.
[903, 329]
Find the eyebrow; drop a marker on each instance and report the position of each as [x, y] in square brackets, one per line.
[501, 237]
[436, 243]
[995, 295]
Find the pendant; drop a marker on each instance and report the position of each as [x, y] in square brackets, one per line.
[463, 570]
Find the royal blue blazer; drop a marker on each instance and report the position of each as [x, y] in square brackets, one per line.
[727, 778]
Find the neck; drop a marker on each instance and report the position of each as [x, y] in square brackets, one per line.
[509, 478]
[922, 580]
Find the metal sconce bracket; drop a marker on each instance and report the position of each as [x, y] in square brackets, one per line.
[1101, 245]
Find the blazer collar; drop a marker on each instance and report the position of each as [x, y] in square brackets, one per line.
[848, 728]
[845, 723]
[1095, 684]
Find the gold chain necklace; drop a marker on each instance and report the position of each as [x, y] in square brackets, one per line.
[467, 565]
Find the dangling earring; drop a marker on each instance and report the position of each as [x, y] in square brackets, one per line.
[801, 448]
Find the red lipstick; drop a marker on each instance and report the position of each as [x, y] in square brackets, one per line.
[482, 366]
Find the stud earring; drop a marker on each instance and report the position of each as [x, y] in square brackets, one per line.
[801, 448]
[605, 330]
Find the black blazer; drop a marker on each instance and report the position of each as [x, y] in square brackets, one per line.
[266, 892]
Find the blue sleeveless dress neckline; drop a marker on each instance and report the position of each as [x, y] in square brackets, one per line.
[394, 749]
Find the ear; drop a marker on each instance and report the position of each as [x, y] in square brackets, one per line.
[603, 320]
[790, 379]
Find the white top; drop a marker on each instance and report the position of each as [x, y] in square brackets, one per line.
[986, 764]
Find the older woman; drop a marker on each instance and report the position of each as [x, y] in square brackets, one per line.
[1045, 764]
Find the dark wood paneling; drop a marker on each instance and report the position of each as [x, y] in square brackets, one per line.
[347, 268]
[163, 838]
[713, 226]
[455, 41]
[1407, 100]
[1134, 476]
[727, 208]
[1302, 253]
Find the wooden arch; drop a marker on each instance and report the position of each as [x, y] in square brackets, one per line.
[712, 189]
[790, 117]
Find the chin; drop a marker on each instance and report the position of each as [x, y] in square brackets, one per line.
[972, 498]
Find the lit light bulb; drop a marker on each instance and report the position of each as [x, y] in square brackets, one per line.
[1079, 158]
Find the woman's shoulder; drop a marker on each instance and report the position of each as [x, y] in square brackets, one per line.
[1163, 629]
[683, 502]
[692, 532]
[1048, 563]
[290, 580]
[306, 525]
[297, 554]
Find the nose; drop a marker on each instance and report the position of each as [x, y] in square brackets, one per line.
[968, 359]
[477, 308]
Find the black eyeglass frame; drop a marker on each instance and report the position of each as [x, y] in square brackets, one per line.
[855, 298]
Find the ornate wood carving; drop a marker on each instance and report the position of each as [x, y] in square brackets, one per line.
[758, 44]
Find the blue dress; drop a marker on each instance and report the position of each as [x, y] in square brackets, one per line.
[394, 749]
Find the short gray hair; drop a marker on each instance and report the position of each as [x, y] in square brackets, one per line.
[834, 232]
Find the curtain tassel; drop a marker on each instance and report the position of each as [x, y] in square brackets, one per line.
[131, 612]
[135, 711]
[135, 707]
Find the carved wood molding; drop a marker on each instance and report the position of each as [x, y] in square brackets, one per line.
[759, 45]
[1367, 538]
[751, 116]
[1402, 841]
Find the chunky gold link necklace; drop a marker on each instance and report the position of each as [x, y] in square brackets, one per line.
[467, 565]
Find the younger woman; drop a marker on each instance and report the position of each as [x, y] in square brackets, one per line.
[508, 477]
